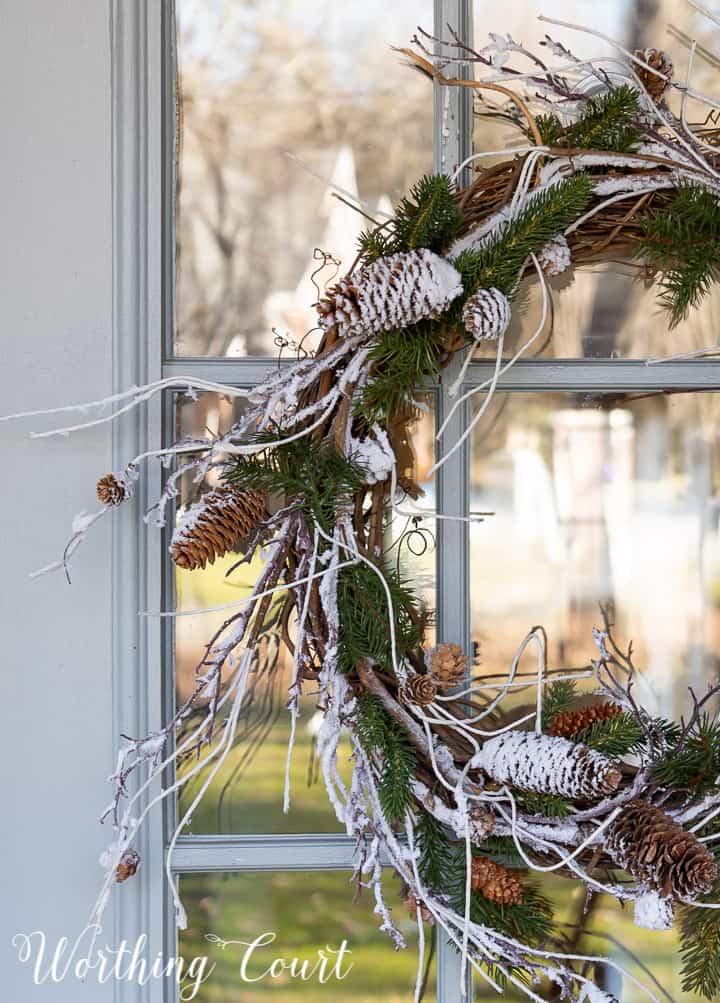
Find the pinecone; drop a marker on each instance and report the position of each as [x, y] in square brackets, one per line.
[418, 689]
[486, 315]
[112, 490]
[555, 257]
[391, 293]
[482, 823]
[659, 60]
[548, 765]
[411, 904]
[448, 665]
[658, 853]
[569, 723]
[212, 526]
[496, 882]
[129, 863]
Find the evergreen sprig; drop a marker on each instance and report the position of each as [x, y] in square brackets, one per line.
[500, 263]
[558, 697]
[699, 940]
[615, 736]
[549, 805]
[402, 362]
[683, 242]
[381, 734]
[694, 762]
[428, 216]
[435, 852]
[363, 612]
[607, 122]
[311, 475]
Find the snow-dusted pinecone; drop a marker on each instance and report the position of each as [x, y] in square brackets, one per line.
[448, 665]
[418, 689]
[548, 765]
[482, 823]
[496, 882]
[112, 490]
[391, 293]
[212, 526]
[659, 853]
[127, 868]
[555, 257]
[570, 722]
[659, 60]
[486, 315]
[653, 912]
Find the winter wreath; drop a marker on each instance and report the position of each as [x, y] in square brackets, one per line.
[467, 800]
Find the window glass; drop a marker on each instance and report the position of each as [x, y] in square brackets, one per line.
[277, 101]
[246, 796]
[307, 912]
[606, 310]
[600, 500]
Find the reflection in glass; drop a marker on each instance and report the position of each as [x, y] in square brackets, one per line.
[261, 88]
[246, 796]
[604, 311]
[308, 913]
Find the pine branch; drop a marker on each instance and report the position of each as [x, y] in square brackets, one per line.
[699, 940]
[694, 763]
[558, 698]
[500, 264]
[309, 474]
[381, 734]
[615, 736]
[435, 852]
[549, 805]
[607, 123]
[363, 612]
[402, 362]
[428, 216]
[683, 243]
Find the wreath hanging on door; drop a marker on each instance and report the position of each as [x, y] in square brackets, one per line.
[470, 802]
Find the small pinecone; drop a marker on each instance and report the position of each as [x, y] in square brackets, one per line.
[391, 293]
[129, 863]
[547, 765]
[659, 853]
[420, 690]
[486, 315]
[112, 490]
[496, 882]
[448, 665]
[482, 823]
[212, 526]
[555, 257]
[660, 61]
[569, 723]
[411, 904]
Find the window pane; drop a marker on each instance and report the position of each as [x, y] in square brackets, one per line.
[602, 311]
[600, 500]
[246, 796]
[308, 912]
[257, 82]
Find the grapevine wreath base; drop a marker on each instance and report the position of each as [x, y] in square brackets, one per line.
[464, 798]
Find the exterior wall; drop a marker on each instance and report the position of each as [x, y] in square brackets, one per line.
[56, 348]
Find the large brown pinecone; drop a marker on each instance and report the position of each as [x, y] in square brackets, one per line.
[391, 293]
[418, 689]
[212, 526]
[659, 60]
[496, 882]
[659, 853]
[546, 765]
[112, 490]
[569, 723]
[448, 665]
